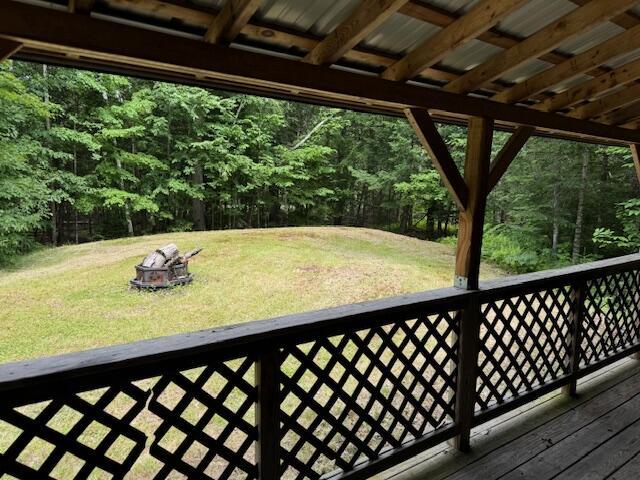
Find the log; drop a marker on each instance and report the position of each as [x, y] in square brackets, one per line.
[161, 256]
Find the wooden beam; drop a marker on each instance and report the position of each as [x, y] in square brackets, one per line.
[83, 7]
[479, 19]
[584, 91]
[623, 115]
[507, 154]
[625, 20]
[541, 42]
[281, 36]
[99, 42]
[8, 48]
[433, 143]
[635, 154]
[204, 17]
[443, 18]
[581, 63]
[602, 105]
[197, 15]
[231, 20]
[471, 220]
[187, 13]
[364, 19]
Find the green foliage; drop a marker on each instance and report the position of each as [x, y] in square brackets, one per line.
[87, 156]
[23, 180]
[628, 215]
[516, 250]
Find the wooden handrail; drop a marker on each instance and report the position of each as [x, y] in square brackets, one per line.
[173, 348]
[188, 348]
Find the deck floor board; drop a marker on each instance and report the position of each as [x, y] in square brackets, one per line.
[596, 436]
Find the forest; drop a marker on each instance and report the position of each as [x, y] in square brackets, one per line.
[86, 156]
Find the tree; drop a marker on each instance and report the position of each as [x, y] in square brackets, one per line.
[24, 194]
[88, 155]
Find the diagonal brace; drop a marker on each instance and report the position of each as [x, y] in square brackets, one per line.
[505, 157]
[432, 141]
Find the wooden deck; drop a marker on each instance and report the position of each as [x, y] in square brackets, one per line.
[595, 436]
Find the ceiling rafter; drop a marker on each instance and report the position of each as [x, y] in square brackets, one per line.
[589, 89]
[494, 36]
[543, 41]
[81, 6]
[623, 115]
[619, 44]
[203, 17]
[230, 21]
[607, 103]
[625, 20]
[479, 19]
[190, 14]
[364, 19]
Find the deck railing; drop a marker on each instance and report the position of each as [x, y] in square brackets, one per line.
[340, 393]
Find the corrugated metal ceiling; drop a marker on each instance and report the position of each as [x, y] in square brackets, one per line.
[400, 33]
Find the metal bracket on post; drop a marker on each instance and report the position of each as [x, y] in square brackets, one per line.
[461, 282]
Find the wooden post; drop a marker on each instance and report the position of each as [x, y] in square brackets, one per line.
[470, 195]
[267, 375]
[636, 356]
[575, 336]
[471, 224]
[467, 372]
[476, 175]
[635, 153]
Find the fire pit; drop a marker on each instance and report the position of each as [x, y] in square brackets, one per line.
[164, 268]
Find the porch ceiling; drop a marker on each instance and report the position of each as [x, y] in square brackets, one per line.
[568, 68]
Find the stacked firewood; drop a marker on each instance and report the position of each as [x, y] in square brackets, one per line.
[168, 256]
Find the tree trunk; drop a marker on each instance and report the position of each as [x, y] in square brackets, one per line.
[405, 218]
[430, 224]
[54, 224]
[199, 219]
[556, 206]
[75, 172]
[127, 209]
[577, 238]
[45, 77]
[54, 207]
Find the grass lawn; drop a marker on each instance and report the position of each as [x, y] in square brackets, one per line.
[77, 297]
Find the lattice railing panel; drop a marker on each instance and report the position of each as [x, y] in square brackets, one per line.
[611, 320]
[198, 423]
[524, 343]
[350, 397]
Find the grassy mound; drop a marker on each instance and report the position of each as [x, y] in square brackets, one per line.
[77, 297]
